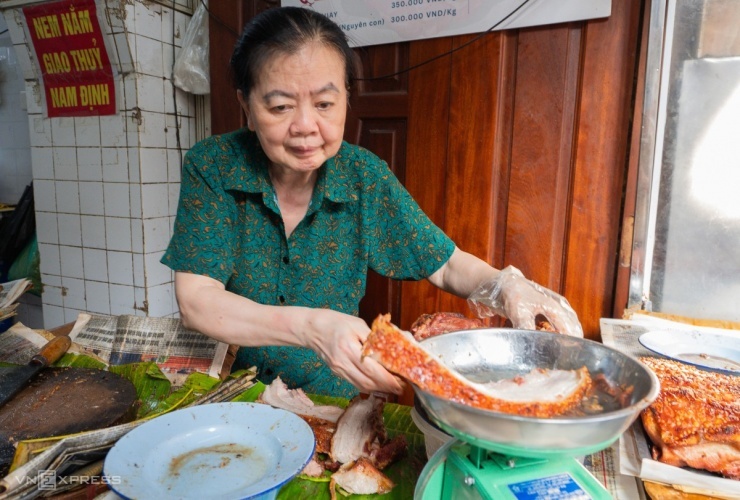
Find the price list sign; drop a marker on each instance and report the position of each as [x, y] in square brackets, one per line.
[372, 22]
[71, 54]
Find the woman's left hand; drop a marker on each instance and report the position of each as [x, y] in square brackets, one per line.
[520, 300]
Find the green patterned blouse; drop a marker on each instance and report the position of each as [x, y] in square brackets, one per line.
[228, 227]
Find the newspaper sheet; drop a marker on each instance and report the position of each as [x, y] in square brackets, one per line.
[10, 292]
[127, 339]
[20, 343]
[634, 451]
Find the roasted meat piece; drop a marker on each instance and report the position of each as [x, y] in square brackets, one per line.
[356, 429]
[695, 420]
[360, 478]
[278, 395]
[541, 393]
[431, 325]
[353, 443]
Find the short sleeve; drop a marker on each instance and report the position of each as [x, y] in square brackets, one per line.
[404, 243]
[203, 232]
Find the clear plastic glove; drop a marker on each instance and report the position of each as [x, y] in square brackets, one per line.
[520, 300]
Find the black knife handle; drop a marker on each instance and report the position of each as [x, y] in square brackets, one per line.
[52, 351]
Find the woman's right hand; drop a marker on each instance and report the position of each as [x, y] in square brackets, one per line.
[337, 338]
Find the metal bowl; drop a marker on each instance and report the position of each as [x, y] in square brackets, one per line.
[490, 354]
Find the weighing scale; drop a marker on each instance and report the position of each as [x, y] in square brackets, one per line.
[460, 470]
[500, 456]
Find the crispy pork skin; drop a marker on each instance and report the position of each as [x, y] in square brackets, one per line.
[323, 431]
[360, 478]
[399, 353]
[431, 325]
[695, 420]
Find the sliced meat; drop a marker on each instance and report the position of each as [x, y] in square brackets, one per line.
[278, 395]
[313, 469]
[382, 455]
[431, 325]
[399, 353]
[356, 429]
[695, 420]
[360, 478]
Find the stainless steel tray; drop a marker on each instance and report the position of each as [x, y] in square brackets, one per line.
[491, 354]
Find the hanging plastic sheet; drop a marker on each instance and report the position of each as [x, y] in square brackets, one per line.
[191, 71]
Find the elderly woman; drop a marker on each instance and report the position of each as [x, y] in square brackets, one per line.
[278, 223]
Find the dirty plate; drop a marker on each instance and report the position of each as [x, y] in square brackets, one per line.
[701, 349]
[223, 450]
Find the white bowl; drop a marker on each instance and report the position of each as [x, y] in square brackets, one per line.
[433, 437]
[227, 451]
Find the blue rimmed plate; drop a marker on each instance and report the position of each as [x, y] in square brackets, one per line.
[222, 450]
[710, 351]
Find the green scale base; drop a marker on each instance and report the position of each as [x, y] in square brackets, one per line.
[461, 471]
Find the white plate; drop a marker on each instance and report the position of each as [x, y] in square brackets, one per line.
[223, 450]
[705, 350]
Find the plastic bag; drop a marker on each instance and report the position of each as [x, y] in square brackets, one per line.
[191, 71]
[513, 296]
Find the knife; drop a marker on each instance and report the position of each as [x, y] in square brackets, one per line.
[13, 380]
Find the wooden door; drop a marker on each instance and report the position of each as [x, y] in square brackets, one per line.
[515, 143]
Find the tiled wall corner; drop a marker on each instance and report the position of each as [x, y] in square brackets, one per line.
[107, 187]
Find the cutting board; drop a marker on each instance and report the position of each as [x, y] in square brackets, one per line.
[60, 401]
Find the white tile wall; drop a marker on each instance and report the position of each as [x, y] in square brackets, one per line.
[87, 131]
[117, 199]
[118, 233]
[63, 132]
[91, 198]
[153, 165]
[115, 165]
[70, 230]
[42, 163]
[89, 164]
[154, 200]
[71, 258]
[159, 299]
[122, 299]
[65, 163]
[121, 268]
[47, 230]
[156, 272]
[73, 291]
[106, 187]
[44, 195]
[50, 264]
[68, 197]
[95, 264]
[93, 231]
[98, 297]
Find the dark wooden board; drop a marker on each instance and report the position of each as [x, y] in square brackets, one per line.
[60, 401]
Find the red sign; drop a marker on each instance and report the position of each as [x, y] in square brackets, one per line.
[76, 70]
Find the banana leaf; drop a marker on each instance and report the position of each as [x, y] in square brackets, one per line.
[79, 361]
[152, 387]
[195, 386]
